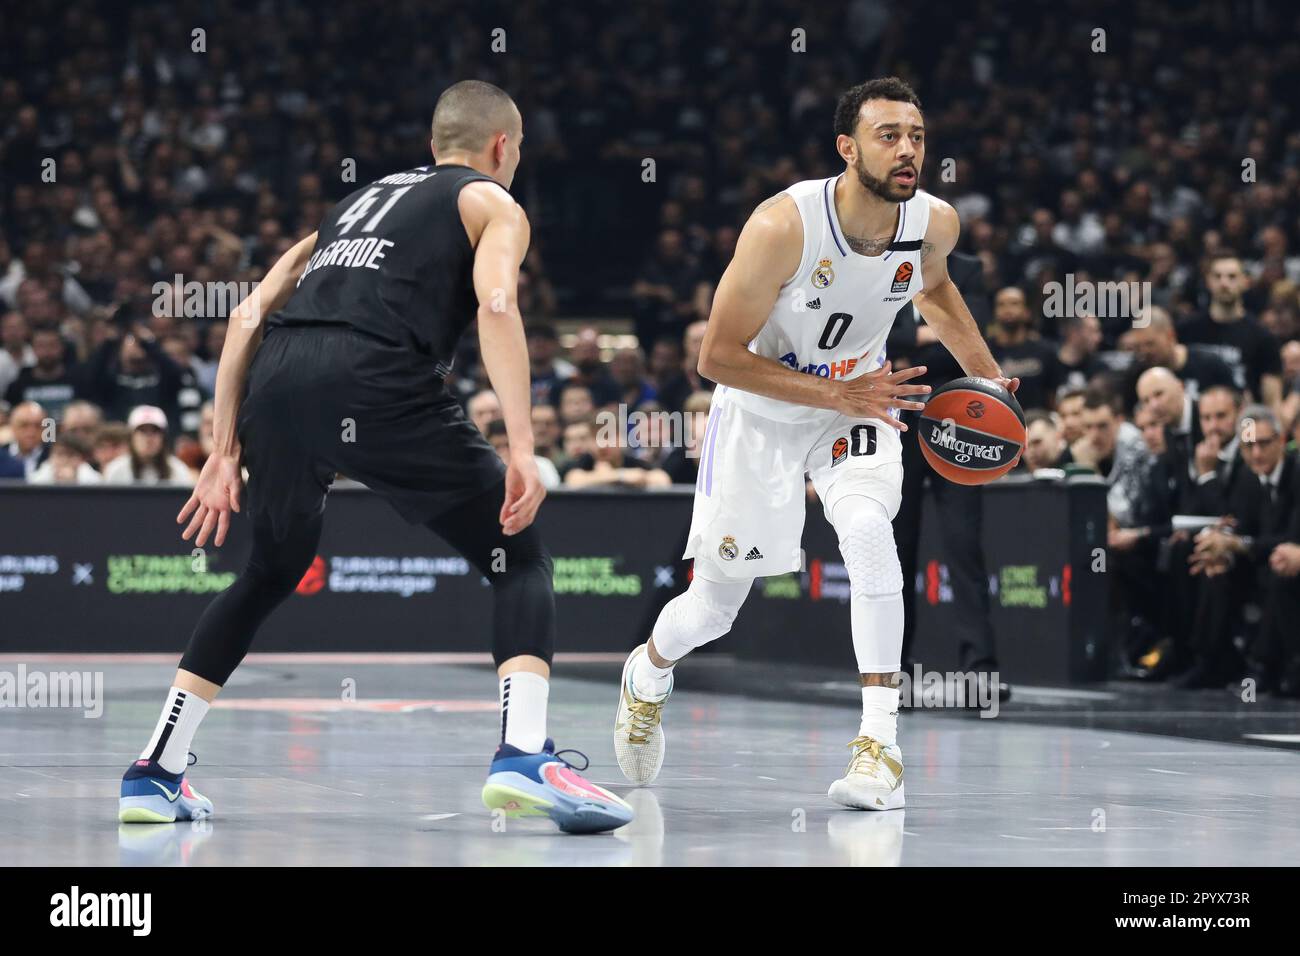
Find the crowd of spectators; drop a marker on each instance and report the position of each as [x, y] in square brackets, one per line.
[145, 149]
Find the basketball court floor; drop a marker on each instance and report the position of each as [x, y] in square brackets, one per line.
[378, 760]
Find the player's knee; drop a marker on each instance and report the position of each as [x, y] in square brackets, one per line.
[867, 545]
[525, 556]
[704, 613]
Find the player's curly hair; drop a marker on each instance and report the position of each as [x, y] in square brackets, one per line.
[851, 100]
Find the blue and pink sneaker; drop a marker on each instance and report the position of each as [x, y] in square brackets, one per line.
[152, 795]
[547, 785]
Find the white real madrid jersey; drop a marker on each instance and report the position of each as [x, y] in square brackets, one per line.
[833, 316]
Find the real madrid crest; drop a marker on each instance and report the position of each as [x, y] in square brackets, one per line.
[823, 275]
[728, 550]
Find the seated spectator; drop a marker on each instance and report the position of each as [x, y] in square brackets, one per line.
[112, 441]
[190, 398]
[589, 369]
[683, 463]
[664, 293]
[1022, 353]
[628, 371]
[83, 420]
[1080, 340]
[547, 370]
[1234, 334]
[194, 450]
[15, 349]
[1290, 408]
[575, 403]
[1152, 426]
[27, 422]
[1116, 452]
[1154, 343]
[1069, 406]
[1235, 558]
[579, 443]
[665, 363]
[499, 439]
[1164, 396]
[68, 464]
[605, 464]
[50, 381]
[483, 409]
[130, 369]
[688, 380]
[148, 460]
[546, 433]
[1044, 446]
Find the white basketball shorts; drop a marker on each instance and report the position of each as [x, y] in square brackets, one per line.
[750, 494]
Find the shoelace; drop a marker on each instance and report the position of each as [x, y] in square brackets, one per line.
[645, 718]
[866, 759]
[586, 761]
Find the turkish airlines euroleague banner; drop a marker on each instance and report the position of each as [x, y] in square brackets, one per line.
[87, 569]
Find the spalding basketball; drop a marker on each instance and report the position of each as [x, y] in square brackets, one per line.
[972, 431]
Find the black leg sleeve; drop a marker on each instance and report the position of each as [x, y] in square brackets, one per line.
[519, 569]
[226, 629]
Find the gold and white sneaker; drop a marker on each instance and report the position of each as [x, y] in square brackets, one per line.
[638, 733]
[873, 779]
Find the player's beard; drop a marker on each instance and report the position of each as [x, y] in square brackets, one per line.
[886, 189]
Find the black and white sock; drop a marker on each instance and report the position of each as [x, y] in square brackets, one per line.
[170, 744]
[523, 710]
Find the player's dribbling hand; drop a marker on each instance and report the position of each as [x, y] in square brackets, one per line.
[876, 393]
[215, 495]
[1010, 384]
[524, 494]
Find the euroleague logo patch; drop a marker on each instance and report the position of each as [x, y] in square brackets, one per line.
[975, 408]
[839, 451]
[902, 278]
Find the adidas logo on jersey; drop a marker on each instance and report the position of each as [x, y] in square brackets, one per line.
[754, 555]
[815, 303]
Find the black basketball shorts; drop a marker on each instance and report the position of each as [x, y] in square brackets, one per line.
[322, 401]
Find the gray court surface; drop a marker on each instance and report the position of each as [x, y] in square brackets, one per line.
[300, 776]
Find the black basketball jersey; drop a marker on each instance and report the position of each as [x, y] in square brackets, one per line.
[392, 261]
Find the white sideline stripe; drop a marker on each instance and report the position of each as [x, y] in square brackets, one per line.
[342, 657]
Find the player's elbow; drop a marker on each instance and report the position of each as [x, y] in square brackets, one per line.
[716, 360]
[495, 310]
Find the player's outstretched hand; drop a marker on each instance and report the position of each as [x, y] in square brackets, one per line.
[215, 495]
[874, 394]
[524, 494]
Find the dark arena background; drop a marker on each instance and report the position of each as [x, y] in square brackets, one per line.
[1102, 651]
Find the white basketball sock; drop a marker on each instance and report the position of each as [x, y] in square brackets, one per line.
[170, 743]
[650, 682]
[523, 697]
[880, 714]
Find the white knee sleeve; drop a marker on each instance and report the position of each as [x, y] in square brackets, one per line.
[875, 582]
[704, 613]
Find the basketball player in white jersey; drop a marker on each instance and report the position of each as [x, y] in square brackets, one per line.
[796, 343]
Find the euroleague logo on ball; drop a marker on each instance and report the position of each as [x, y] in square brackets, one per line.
[975, 409]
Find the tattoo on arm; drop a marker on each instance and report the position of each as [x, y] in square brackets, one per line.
[768, 203]
[926, 249]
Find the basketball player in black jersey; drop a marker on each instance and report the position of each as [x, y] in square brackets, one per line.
[346, 376]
